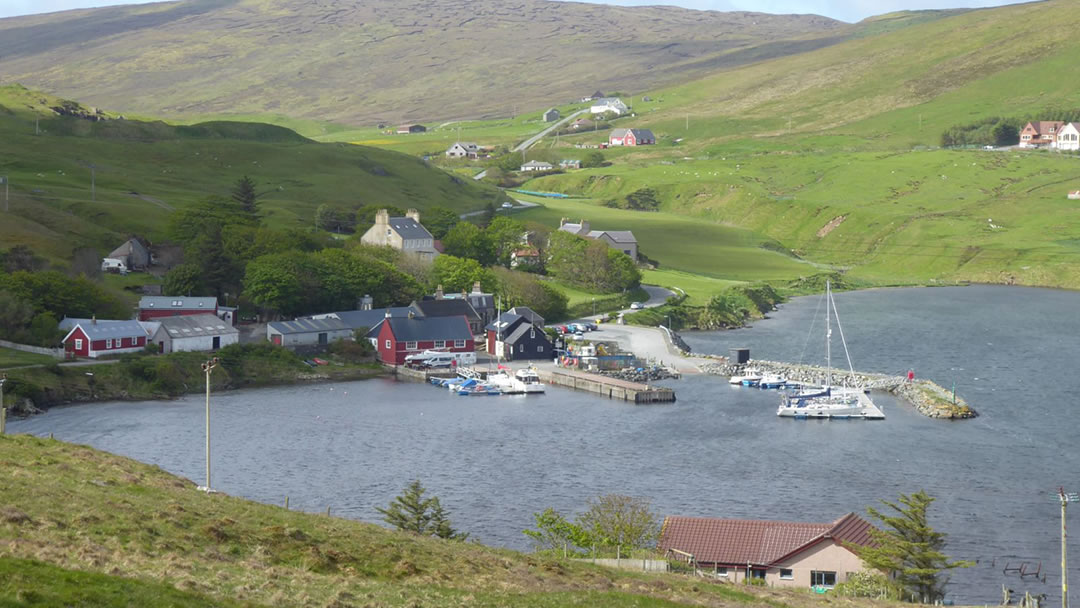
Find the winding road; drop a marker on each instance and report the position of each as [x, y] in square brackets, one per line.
[535, 138]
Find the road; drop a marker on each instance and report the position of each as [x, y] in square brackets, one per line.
[520, 205]
[535, 138]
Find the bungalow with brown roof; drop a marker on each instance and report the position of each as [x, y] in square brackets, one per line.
[783, 554]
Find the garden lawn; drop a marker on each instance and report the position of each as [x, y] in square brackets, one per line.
[16, 358]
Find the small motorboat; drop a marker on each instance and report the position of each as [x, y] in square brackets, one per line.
[772, 381]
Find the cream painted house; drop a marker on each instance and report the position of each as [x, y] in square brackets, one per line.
[783, 554]
[403, 233]
[1068, 136]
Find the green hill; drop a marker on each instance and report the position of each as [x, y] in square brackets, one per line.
[381, 60]
[143, 171]
[835, 153]
[81, 527]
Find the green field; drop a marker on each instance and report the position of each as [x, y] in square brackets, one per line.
[86, 528]
[16, 358]
[677, 242]
[143, 171]
[698, 288]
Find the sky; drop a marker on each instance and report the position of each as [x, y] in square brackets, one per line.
[844, 10]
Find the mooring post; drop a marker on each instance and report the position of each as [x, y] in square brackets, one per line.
[328, 510]
[3, 420]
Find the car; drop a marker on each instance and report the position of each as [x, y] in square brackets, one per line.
[577, 337]
[636, 306]
[508, 205]
[589, 325]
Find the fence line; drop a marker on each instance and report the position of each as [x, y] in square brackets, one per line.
[56, 353]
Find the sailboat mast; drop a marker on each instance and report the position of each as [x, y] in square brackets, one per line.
[828, 335]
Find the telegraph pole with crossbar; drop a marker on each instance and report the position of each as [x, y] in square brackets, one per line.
[1065, 499]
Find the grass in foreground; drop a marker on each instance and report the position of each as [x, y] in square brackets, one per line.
[16, 358]
[99, 525]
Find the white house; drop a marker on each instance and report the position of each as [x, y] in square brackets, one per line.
[193, 333]
[463, 149]
[609, 104]
[1068, 137]
[535, 165]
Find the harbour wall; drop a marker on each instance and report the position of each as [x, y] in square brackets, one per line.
[611, 388]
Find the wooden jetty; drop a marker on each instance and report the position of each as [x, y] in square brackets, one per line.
[612, 388]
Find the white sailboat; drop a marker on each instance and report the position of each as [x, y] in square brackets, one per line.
[830, 402]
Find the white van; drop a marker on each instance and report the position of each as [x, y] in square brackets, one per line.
[438, 358]
[114, 265]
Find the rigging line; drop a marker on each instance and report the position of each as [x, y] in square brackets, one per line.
[813, 321]
[851, 368]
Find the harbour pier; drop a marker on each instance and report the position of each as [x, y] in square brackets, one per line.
[612, 388]
[926, 396]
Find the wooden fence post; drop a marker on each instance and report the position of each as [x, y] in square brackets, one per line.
[286, 503]
[3, 420]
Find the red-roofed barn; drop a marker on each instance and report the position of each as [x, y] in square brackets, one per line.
[784, 554]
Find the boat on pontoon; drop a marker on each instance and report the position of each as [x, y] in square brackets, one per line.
[829, 402]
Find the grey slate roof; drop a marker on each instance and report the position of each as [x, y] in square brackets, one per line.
[529, 314]
[619, 236]
[305, 326]
[177, 303]
[429, 328]
[356, 319]
[447, 308]
[190, 326]
[505, 321]
[638, 134]
[409, 228]
[521, 331]
[131, 246]
[104, 328]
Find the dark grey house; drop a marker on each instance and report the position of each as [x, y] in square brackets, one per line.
[513, 337]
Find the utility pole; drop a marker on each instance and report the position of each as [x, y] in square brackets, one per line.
[1065, 500]
[37, 126]
[3, 410]
[93, 181]
[687, 122]
[7, 204]
[207, 368]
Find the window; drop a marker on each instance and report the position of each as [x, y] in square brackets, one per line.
[388, 344]
[532, 332]
[822, 579]
[721, 571]
[108, 342]
[440, 343]
[459, 343]
[540, 348]
[759, 574]
[521, 348]
[787, 574]
[410, 346]
[78, 344]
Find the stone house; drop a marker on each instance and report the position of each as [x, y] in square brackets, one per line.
[402, 233]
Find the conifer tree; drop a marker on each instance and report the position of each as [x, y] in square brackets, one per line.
[910, 549]
[413, 513]
[244, 194]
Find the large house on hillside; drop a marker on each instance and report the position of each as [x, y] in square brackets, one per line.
[463, 149]
[1039, 133]
[609, 104]
[622, 240]
[403, 233]
[780, 553]
[631, 137]
[1068, 136]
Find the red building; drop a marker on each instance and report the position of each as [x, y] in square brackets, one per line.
[631, 137]
[93, 338]
[155, 307]
[399, 337]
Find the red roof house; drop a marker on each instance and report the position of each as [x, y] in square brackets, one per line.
[1039, 133]
[399, 337]
[631, 137]
[789, 554]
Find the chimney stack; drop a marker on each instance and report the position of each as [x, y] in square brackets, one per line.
[387, 313]
[413, 214]
[367, 302]
[412, 315]
[439, 294]
[382, 217]
[93, 319]
[476, 288]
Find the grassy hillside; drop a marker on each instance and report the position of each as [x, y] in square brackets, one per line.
[83, 527]
[384, 60]
[143, 171]
[856, 180]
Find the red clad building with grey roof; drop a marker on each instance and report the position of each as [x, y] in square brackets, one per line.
[783, 554]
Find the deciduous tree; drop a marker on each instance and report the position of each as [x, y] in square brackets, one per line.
[622, 521]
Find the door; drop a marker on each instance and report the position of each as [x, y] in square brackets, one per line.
[276, 339]
[322, 339]
[217, 343]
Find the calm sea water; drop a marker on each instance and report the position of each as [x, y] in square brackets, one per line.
[720, 451]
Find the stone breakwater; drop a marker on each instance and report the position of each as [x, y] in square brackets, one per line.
[928, 398]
